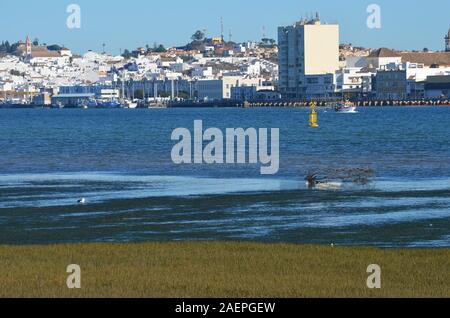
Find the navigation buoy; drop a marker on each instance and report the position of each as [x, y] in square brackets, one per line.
[313, 116]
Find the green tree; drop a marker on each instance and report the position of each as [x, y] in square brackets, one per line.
[139, 93]
[268, 42]
[6, 47]
[126, 54]
[54, 47]
[198, 36]
[160, 49]
[183, 95]
[164, 94]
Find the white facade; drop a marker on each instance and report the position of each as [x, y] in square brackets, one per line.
[419, 72]
[180, 67]
[253, 69]
[65, 52]
[94, 69]
[202, 72]
[383, 62]
[219, 89]
[254, 93]
[6, 86]
[416, 76]
[353, 80]
[240, 48]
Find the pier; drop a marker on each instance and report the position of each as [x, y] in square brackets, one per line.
[306, 103]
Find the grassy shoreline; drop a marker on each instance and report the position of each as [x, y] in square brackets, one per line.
[221, 269]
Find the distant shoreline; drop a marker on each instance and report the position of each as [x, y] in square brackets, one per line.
[221, 269]
[366, 104]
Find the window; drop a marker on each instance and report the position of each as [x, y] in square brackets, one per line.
[312, 80]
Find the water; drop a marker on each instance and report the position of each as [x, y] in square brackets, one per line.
[119, 160]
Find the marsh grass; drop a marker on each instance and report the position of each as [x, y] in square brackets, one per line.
[221, 269]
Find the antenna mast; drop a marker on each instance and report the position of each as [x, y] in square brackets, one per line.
[221, 28]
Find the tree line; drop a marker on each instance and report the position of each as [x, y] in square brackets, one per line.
[11, 48]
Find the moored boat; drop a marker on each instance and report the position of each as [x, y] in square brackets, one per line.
[109, 104]
[345, 107]
[130, 104]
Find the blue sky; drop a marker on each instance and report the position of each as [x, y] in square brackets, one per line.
[406, 24]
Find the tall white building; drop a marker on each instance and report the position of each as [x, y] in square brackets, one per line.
[306, 49]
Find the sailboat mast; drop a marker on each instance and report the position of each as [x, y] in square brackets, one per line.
[123, 86]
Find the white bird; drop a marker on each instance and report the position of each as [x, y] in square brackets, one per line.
[81, 201]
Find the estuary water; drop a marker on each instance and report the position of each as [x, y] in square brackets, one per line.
[120, 161]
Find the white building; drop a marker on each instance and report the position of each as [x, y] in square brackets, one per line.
[65, 52]
[219, 89]
[254, 93]
[202, 72]
[309, 48]
[6, 86]
[416, 74]
[252, 69]
[354, 80]
[381, 58]
[419, 72]
[240, 48]
[180, 67]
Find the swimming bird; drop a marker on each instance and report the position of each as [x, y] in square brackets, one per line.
[81, 201]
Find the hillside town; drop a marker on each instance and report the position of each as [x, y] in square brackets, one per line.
[307, 62]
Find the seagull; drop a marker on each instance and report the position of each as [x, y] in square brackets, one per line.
[81, 201]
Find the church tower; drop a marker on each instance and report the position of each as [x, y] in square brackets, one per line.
[28, 47]
[447, 42]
